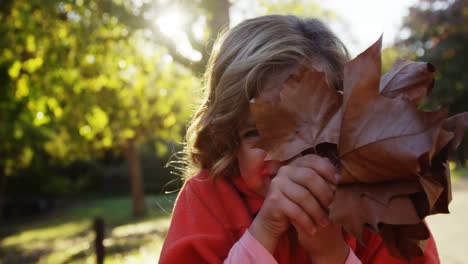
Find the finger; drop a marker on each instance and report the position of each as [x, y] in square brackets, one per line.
[300, 231]
[296, 214]
[321, 165]
[306, 200]
[319, 187]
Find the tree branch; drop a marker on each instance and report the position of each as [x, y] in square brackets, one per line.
[196, 66]
[197, 45]
[218, 18]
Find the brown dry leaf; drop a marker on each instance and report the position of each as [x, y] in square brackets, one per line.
[432, 188]
[388, 159]
[437, 176]
[356, 205]
[387, 135]
[385, 138]
[405, 241]
[437, 185]
[414, 80]
[307, 115]
[276, 126]
[393, 157]
[457, 124]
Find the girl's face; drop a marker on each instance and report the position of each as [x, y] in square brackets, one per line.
[255, 171]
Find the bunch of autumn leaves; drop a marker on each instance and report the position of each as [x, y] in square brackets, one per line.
[392, 156]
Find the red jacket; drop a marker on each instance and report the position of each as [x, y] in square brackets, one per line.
[209, 218]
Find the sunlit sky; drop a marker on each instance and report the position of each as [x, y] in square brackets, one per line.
[360, 23]
[368, 19]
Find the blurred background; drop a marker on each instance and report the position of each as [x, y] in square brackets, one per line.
[95, 96]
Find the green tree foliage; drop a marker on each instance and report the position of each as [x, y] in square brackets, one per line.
[297, 7]
[438, 34]
[77, 81]
[82, 77]
[210, 17]
[390, 54]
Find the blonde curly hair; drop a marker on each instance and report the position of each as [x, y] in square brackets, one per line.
[241, 60]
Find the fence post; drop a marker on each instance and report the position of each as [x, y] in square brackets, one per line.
[99, 238]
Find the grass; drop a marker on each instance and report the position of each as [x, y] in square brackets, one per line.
[66, 236]
[457, 172]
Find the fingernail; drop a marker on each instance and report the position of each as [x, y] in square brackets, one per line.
[324, 222]
[337, 176]
[312, 231]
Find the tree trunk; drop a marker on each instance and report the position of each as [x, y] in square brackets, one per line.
[99, 230]
[3, 180]
[217, 21]
[461, 154]
[135, 178]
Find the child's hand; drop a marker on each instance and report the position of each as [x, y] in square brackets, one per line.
[327, 245]
[297, 194]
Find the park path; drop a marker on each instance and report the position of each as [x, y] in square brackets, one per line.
[451, 231]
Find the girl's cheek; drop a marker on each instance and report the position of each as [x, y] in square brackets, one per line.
[258, 159]
[258, 153]
[251, 159]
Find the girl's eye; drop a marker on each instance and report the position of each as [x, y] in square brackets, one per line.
[251, 133]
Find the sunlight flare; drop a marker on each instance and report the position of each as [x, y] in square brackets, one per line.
[171, 23]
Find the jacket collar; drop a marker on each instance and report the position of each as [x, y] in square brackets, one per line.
[254, 200]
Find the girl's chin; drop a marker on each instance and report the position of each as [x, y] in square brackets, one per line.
[270, 168]
[263, 190]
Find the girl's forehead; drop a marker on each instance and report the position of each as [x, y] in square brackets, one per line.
[274, 82]
[248, 120]
[246, 117]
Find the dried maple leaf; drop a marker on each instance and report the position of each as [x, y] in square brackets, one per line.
[435, 179]
[277, 129]
[392, 156]
[307, 115]
[381, 138]
[404, 241]
[457, 124]
[373, 204]
[414, 80]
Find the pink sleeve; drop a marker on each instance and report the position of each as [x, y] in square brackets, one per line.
[249, 250]
[352, 258]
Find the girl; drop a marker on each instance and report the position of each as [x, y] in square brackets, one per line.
[239, 208]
